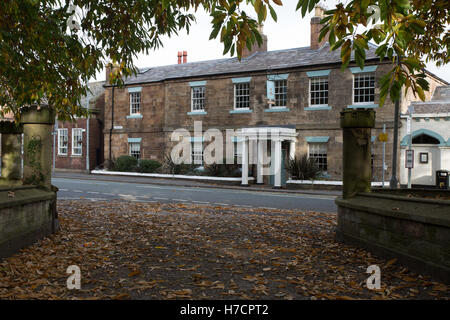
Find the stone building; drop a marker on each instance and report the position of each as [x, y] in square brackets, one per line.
[309, 92]
[74, 151]
[430, 138]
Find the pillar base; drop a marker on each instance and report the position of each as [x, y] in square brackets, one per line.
[277, 187]
[260, 183]
[245, 185]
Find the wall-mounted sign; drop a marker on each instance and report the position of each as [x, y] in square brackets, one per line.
[423, 157]
[409, 159]
[382, 137]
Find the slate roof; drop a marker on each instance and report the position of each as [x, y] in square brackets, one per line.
[259, 61]
[96, 89]
[440, 102]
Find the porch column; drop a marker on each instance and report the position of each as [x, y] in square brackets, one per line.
[260, 168]
[277, 164]
[292, 150]
[245, 162]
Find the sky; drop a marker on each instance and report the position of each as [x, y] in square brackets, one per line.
[291, 31]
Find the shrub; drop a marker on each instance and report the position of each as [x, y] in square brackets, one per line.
[125, 163]
[171, 167]
[222, 170]
[148, 166]
[304, 168]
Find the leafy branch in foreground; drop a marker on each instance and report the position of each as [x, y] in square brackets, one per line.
[44, 60]
[400, 28]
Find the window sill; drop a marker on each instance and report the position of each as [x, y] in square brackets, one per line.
[315, 108]
[197, 113]
[363, 106]
[277, 109]
[241, 111]
[134, 116]
[61, 155]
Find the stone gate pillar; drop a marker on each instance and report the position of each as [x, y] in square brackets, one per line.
[37, 146]
[11, 152]
[357, 173]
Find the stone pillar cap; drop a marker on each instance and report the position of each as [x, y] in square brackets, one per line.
[359, 118]
[37, 115]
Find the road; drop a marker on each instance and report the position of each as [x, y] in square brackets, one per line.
[106, 190]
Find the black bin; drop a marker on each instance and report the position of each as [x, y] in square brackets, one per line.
[442, 179]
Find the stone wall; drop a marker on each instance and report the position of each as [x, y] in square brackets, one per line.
[27, 214]
[416, 231]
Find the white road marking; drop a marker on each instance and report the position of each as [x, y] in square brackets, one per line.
[202, 202]
[94, 192]
[182, 200]
[159, 198]
[77, 191]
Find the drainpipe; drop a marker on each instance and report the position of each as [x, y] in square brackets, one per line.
[55, 132]
[112, 127]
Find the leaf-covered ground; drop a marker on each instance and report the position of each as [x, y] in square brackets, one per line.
[131, 250]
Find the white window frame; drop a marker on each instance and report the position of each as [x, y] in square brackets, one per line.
[130, 153]
[326, 158]
[275, 106]
[197, 153]
[235, 96]
[355, 75]
[74, 143]
[193, 99]
[134, 103]
[309, 91]
[59, 142]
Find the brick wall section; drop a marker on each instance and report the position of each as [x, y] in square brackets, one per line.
[96, 139]
[149, 128]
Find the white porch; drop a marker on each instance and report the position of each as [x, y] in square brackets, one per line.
[254, 151]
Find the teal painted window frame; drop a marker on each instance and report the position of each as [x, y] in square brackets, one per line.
[197, 83]
[241, 111]
[437, 136]
[134, 116]
[317, 139]
[318, 73]
[366, 69]
[277, 109]
[241, 80]
[134, 140]
[134, 89]
[275, 77]
[197, 113]
[318, 108]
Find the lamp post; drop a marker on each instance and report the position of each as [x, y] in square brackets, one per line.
[393, 183]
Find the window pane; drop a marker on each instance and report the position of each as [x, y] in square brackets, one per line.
[319, 91]
[242, 95]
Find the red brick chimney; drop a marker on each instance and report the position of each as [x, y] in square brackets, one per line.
[256, 48]
[315, 28]
[184, 56]
[179, 57]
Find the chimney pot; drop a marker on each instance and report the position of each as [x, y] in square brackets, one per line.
[179, 57]
[315, 28]
[184, 56]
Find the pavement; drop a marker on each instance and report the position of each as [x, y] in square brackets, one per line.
[74, 186]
